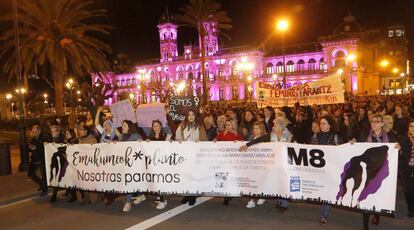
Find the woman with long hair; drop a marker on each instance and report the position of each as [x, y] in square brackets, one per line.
[158, 134]
[190, 130]
[130, 133]
[349, 128]
[259, 135]
[249, 118]
[407, 166]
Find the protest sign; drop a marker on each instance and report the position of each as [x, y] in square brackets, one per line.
[122, 111]
[146, 113]
[327, 90]
[180, 105]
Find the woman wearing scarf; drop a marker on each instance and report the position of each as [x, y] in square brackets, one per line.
[376, 135]
[407, 167]
[327, 136]
[190, 130]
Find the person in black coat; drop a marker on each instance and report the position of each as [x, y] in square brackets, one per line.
[37, 159]
[407, 167]
[269, 114]
[375, 135]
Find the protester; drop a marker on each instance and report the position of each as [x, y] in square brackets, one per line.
[37, 160]
[376, 134]
[327, 136]
[57, 138]
[269, 116]
[407, 167]
[157, 134]
[247, 125]
[211, 130]
[259, 135]
[190, 130]
[130, 133]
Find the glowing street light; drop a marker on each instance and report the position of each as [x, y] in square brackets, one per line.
[45, 96]
[282, 25]
[340, 71]
[351, 57]
[384, 63]
[395, 70]
[9, 96]
[78, 92]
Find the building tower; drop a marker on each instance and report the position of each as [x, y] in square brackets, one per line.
[210, 37]
[168, 37]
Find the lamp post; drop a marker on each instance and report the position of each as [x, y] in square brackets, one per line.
[24, 155]
[351, 58]
[282, 26]
[384, 64]
[245, 67]
[395, 72]
[9, 97]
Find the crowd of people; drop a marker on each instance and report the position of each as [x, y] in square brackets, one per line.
[385, 119]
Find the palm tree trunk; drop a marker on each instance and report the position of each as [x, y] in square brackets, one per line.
[58, 80]
[203, 67]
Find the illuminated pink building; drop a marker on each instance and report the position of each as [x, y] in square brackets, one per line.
[232, 72]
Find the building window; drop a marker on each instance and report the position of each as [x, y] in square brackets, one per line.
[290, 67]
[301, 66]
[279, 67]
[269, 68]
[118, 83]
[390, 33]
[221, 73]
[221, 94]
[321, 64]
[340, 59]
[398, 33]
[311, 65]
[234, 70]
[235, 93]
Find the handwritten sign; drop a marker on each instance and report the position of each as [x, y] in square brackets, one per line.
[180, 105]
[122, 111]
[327, 90]
[146, 113]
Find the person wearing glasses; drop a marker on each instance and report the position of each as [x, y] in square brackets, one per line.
[376, 135]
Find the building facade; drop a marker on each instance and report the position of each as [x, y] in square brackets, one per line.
[365, 58]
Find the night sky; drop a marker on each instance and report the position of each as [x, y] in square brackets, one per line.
[136, 33]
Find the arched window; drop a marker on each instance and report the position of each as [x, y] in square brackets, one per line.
[311, 65]
[321, 64]
[269, 68]
[340, 59]
[301, 66]
[279, 67]
[234, 69]
[290, 67]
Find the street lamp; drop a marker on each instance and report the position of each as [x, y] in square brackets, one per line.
[9, 97]
[384, 64]
[351, 58]
[245, 67]
[45, 96]
[395, 72]
[282, 25]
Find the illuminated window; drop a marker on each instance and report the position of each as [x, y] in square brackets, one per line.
[311, 65]
[269, 68]
[321, 64]
[398, 33]
[221, 94]
[234, 70]
[235, 93]
[340, 59]
[390, 33]
[301, 66]
[290, 67]
[279, 67]
[220, 73]
[119, 83]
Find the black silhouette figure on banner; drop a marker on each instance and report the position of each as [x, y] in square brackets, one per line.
[376, 166]
[58, 163]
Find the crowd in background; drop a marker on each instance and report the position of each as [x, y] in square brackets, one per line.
[360, 119]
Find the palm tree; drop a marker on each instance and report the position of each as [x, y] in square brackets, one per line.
[58, 35]
[194, 15]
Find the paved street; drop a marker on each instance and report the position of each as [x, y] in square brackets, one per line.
[38, 213]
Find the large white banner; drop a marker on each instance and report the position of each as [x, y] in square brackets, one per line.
[362, 175]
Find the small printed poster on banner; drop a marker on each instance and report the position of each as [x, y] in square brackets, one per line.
[180, 105]
[327, 90]
[122, 111]
[146, 113]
